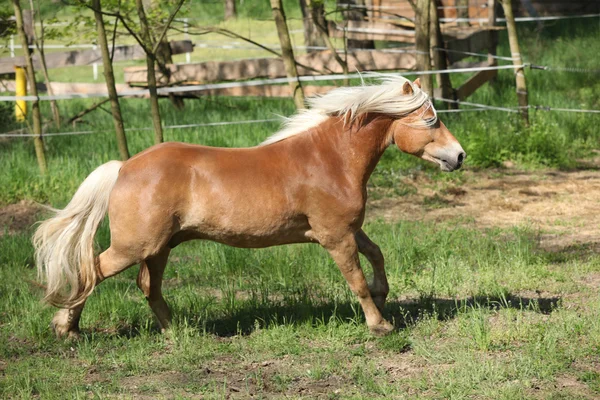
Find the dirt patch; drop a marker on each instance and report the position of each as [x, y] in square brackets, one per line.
[564, 206]
[18, 217]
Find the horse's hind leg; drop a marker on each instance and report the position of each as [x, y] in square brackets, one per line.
[379, 288]
[149, 280]
[109, 263]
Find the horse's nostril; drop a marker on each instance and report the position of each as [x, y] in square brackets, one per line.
[461, 158]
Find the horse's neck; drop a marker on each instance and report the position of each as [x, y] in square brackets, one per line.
[357, 146]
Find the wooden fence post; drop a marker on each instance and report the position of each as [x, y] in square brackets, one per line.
[513, 41]
[287, 53]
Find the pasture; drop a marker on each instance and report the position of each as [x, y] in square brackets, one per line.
[494, 270]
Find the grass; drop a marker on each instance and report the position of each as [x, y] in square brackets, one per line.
[281, 321]
[480, 313]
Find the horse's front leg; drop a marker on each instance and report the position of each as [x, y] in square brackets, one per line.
[345, 254]
[379, 287]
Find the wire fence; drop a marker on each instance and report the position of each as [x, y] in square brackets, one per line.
[476, 107]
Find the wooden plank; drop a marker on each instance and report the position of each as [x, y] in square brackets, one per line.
[218, 71]
[89, 57]
[258, 91]
[59, 88]
[474, 83]
[370, 30]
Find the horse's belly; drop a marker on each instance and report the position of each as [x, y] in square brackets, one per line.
[248, 232]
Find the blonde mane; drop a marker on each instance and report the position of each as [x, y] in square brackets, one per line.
[385, 98]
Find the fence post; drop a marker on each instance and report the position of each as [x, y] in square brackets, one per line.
[95, 67]
[186, 26]
[21, 90]
[493, 35]
[513, 41]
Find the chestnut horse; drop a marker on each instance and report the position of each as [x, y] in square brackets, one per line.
[307, 183]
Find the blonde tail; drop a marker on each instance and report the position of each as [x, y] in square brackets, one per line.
[64, 244]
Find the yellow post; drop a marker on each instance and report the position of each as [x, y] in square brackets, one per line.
[21, 89]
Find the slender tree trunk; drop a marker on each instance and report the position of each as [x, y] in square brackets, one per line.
[230, 10]
[422, 40]
[439, 57]
[513, 41]
[312, 34]
[39, 46]
[110, 82]
[163, 58]
[35, 108]
[150, 63]
[287, 53]
[357, 13]
[321, 26]
[462, 12]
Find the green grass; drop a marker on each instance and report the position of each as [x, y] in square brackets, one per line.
[278, 321]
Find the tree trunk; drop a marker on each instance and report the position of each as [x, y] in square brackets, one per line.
[462, 12]
[422, 40]
[513, 42]
[357, 13]
[287, 53]
[110, 82]
[230, 10]
[439, 57]
[35, 108]
[321, 26]
[39, 46]
[150, 63]
[312, 34]
[163, 58]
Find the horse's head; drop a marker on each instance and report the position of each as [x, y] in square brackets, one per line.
[423, 135]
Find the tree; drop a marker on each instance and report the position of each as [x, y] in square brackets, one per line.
[287, 53]
[110, 82]
[230, 10]
[422, 41]
[150, 42]
[38, 40]
[35, 108]
[355, 10]
[312, 17]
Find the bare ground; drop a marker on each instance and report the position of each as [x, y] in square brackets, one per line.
[564, 206]
[18, 217]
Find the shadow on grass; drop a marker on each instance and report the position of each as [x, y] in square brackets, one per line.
[404, 313]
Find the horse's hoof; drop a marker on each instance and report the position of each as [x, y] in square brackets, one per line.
[61, 325]
[381, 329]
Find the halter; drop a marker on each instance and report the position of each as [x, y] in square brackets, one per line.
[423, 123]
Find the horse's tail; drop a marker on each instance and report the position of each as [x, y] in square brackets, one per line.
[64, 244]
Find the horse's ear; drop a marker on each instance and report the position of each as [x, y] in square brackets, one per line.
[407, 88]
[418, 82]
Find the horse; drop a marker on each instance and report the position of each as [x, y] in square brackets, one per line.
[305, 184]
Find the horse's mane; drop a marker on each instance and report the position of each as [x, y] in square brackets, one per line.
[385, 98]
